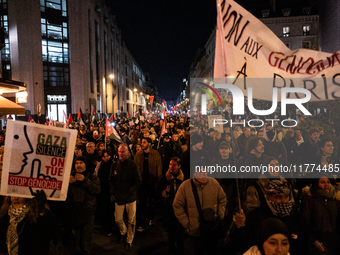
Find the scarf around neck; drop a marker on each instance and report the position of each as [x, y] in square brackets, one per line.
[15, 217]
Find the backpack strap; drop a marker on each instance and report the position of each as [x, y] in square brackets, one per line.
[198, 204]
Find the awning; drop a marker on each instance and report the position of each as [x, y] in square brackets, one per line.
[9, 107]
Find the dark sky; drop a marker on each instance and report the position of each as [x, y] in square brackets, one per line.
[164, 35]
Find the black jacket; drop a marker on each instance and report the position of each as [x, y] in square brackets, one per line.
[34, 237]
[125, 179]
[81, 201]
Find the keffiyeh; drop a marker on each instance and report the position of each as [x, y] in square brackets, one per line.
[16, 215]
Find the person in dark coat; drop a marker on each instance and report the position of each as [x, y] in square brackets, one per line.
[243, 140]
[166, 151]
[26, 226]
[321, 209]
[168, 186]
[125, 179]
[81, 204]
[291, 147]
[310, 147]
[105, 211]
[196, 155]
[92, 157]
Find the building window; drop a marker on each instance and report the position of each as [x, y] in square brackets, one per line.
[90, 52]
[57, 107]
[286, 12]
[307, 10]
[56, 76]
[5, 52]
[306, 45]
[55, 47]
[97, 36]
[305, 30]
[265, 13]
[285, 31]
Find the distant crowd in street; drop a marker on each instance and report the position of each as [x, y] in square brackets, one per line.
[157, 169]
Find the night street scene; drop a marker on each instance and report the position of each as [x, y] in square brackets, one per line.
[169, 127]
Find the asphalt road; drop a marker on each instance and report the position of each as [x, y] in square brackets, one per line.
[152, 241]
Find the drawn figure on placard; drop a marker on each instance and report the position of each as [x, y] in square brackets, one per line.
[35, 163]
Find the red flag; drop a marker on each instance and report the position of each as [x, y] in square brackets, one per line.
[79, 114]
[164, 111]
[173, 109]
[70, 119]
[30, 119]
[138, 113]
[164, 101]
[111, 118]
[151, 100]
[163, 128]
[92, 112]
[128, 114]
[176, 107]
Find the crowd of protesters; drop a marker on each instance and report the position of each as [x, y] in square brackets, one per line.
[149, 171]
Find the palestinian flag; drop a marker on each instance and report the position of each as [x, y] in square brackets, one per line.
[93, 115]
[111, 118]
[30, 119]
[111, 132]
[70, 120]
[80, 118]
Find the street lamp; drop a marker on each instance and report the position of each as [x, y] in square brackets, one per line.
[135, 90]
[141, 93]
[111, 76]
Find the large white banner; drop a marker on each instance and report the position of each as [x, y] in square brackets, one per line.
[246, 48]
[37, 157]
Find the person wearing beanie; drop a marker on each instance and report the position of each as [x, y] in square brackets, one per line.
[273, 239]
[194, 156]
[81, 204]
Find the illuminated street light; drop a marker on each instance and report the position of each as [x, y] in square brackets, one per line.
[111, 76]
[141, 93]
[135, 90]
